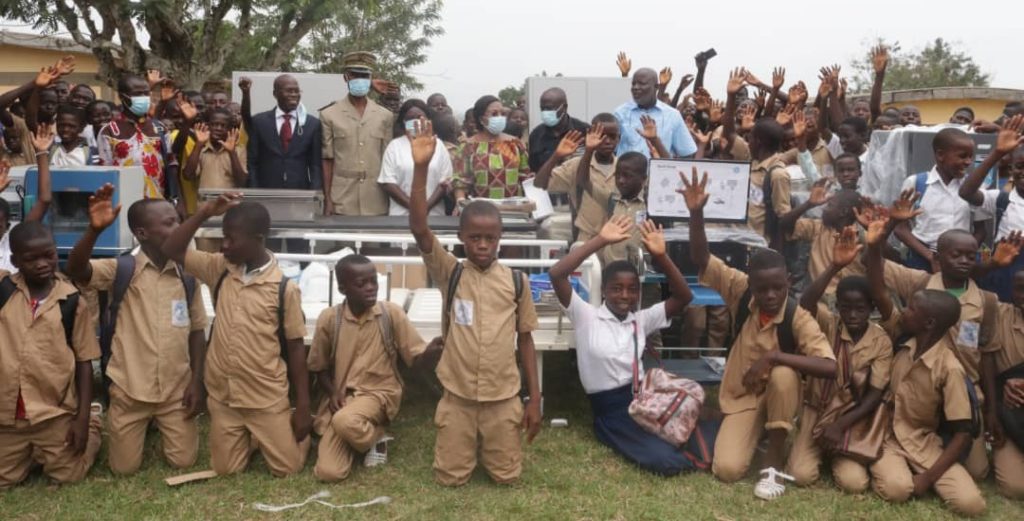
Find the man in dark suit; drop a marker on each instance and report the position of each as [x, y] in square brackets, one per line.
[284, 143]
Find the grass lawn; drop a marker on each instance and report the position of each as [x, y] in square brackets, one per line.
[567, 475]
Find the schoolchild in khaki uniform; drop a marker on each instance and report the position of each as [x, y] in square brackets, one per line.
[766, 141]
[956, 254]
[45, 384]
[246, 377]
[159, 345]
[480, 411]
[822, 233]
[859, 345]
[357, 371]
[1006, 352]
[599, 160]
[761, 385]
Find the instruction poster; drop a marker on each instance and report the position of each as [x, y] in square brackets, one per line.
[728, 186]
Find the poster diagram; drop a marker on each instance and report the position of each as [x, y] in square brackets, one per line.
[728, 186]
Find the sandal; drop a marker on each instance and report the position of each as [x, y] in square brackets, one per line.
[770, 487]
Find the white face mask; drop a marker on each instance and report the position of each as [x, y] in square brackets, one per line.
[496, 124]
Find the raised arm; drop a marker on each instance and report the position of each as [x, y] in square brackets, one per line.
[594, 138]
[844, 252]
[617, 229]
[819, 195]
[191, 168]
[423, 145]
[42, 140]
[649, 132]
[837, 112]
[686, 81]
[102, 213]
[879, 60]
[245, 85]
[1009, 138]
[654, 240]
[737, 78]
[238, 173]
[176, 245]
[702, 67]
[696, 196]
[566, 147]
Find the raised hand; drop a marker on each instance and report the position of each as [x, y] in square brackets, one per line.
[1010, 136]
[595, 137]
[825, 88]
[649, 130]
[187, 108]
[694, 192]
[685, 81]
[761, 99]
[701, 99]
[879, 58]
[569, 144]
[1008, 249]
[716, 112]
[5, 174]
[799, 124]
[665, 76]
[653, 238]
[747, 118]
[231, 141]
[102, 212]
[64, 66]
[154, 77]
[876, 230]
[202, 133]
[751, 79]
[222, 204]
[384, 87]
[842, 88]
[846, 248]
[737, 79]
[423, 143]
[701, 138]
[245, 83]
[43, 138]
[617, 229]
[785, 116]
[624, 64]
[903, 209]
[168, 91]
[820, 192]
[778, 77]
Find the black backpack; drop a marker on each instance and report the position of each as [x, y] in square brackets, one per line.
[453, 284]
[281, 286]
[68, 307]
[784, 331]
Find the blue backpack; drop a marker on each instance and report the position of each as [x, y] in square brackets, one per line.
[921, 186]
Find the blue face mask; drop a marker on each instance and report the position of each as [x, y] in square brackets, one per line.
[496, 124]
[359, 87]
[139, 105]
[550, 118]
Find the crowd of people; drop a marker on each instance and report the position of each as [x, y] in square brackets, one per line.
[900, 365]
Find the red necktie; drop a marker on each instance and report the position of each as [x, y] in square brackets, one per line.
[286, 131]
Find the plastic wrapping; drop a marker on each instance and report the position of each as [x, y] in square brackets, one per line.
[737, 233]
[885, 168]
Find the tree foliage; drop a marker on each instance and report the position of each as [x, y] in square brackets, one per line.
[511, 94]
[939, 64]
[193, 41]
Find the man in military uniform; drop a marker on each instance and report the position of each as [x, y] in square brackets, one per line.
[356, 130]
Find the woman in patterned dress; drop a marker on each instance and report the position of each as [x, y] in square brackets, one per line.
[491, 163]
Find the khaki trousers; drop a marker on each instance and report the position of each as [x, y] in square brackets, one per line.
[805, 457]
[893, 480]
[464, 426]
[233, 431]
[353, 429]
[740, 432]
[24, 444]
[128, 420]
[1008, 462]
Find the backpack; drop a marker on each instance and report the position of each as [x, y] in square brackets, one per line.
[784, 331]
[110, 305]
[920, 186]
[281, 286]
[68, 307]
[387, 335]
[453, 284]
[1002, 203]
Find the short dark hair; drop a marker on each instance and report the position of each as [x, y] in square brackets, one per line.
[947, 137]
[943, 241]
[941, 306]
[26, 231]
[857, 124]
[446, 127]
[615, 267]
[123, 83]
[478, 208]
[251, 216]
[219, 111]
[137, 212]
[847, 199]
[770, 135]
[65, 109]
[766, 259]
[91, 106]
[968, 110]
[480, 108]
[847, 155]
[604, 117]
[350, 260]
[856, 283]
[636, 159]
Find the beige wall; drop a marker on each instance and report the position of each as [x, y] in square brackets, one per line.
[935, 111]
[19, 65]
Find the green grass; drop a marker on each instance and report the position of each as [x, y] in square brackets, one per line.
[567, 475]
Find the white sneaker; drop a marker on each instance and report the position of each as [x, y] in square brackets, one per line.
[378, 454]
[770, 486]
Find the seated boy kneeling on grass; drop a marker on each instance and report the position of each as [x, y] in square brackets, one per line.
[761, 385]
[248, 370]
[46, 370]
[480, 409]
[355, 355]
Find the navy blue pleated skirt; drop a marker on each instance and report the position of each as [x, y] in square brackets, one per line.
[616, 429]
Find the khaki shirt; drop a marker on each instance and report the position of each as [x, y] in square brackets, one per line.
[150, 353]
[753, 340]
[820, 156]
[906, 281]
[371, 370]
[34, 354]
[215, 167]
[356, 144]
[873, 350]
[823, 241]
[590, 215]
[28, 150]
[922, 391]
[780, 192]
[1008, 344]
[244, 367]
[636, 209]
[479, 359]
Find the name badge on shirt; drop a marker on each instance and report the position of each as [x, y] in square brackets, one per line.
[968, 334]
[179, 313]
[756, 195]
[640, 217]
[463, 312]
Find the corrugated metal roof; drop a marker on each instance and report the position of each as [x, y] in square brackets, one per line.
[41, 41]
